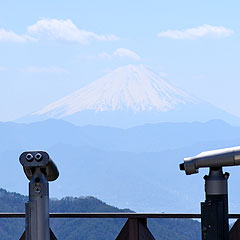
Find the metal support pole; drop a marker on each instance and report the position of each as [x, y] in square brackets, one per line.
[37, 209]
[214, 211]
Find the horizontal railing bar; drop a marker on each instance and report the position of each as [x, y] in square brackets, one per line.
[123, 215]
[115, 215]
[12, 215]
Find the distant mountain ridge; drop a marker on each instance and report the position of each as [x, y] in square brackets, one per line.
[128, 96]
[135, 168]
[144, 138]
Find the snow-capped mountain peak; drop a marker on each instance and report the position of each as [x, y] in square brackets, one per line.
[132, 87]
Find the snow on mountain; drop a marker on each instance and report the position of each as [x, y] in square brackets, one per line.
[132, 87]
[129, 96]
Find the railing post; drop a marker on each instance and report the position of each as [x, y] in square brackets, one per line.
[234, 233]
[135, 229]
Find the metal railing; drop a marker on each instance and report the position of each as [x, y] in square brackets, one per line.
[135, 227]
[117, 215]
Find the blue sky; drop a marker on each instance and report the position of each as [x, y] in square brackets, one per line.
[51, 48]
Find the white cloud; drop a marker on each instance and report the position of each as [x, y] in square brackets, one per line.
[55, 29]
[122, 53]
[205, 30]
[9, 36]
[3, 69]
[105, 55]
[33, 69]
[66, 30]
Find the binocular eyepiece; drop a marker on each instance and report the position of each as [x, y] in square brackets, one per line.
[38, 159]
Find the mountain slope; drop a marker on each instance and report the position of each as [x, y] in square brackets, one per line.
[131, 87]
[129, 96]
[94, 229]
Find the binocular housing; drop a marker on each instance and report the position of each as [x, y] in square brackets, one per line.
[38, 159]
[213, 159]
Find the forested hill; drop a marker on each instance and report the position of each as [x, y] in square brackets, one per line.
[86, 229]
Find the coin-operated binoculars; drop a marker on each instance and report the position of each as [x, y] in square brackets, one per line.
[214, 211]
[39, 169]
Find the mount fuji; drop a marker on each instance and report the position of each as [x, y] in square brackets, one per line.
[128, 96]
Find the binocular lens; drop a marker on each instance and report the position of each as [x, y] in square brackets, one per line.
[29, 157]
[38, 157]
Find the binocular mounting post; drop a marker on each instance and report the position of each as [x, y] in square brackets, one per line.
[39, 170]
[214, 211]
